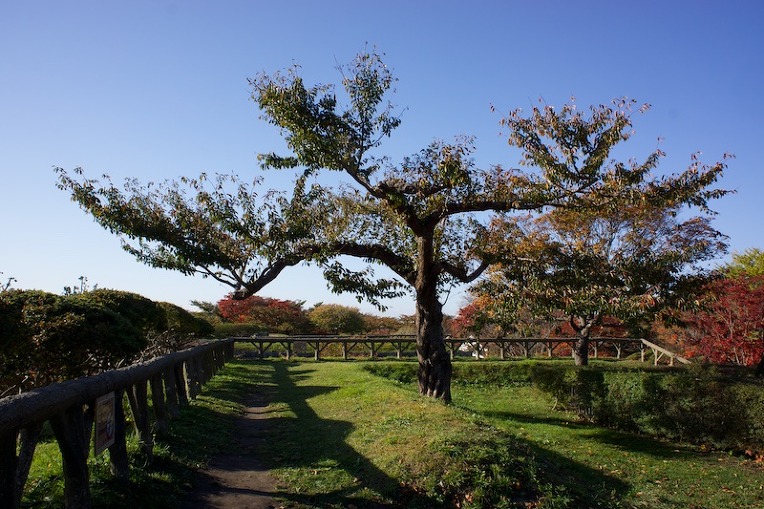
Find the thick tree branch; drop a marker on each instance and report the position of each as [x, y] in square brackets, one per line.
[461, 274]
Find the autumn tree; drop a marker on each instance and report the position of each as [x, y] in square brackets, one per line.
[336, 319]
[729, 327]
[628, 262]
[748, 263]
[424, 217]
[276, 315]
[377, 325]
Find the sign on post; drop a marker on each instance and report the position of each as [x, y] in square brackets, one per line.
[104, 422]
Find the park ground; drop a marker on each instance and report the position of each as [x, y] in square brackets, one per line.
[299, 435]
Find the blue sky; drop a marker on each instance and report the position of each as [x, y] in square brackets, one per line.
[158, 89]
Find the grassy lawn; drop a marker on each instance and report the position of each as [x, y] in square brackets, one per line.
[656, 473]
[345, 437]
[340, 437]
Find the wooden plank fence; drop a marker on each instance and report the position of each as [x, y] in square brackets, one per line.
[405, 345]
[70, 408]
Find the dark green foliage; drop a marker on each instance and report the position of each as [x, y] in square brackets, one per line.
[47, 338]
[403, 372]
[227, 330]
[58, 338]
[143, 313]
[695, 404]
[495, 471]
[183, 322]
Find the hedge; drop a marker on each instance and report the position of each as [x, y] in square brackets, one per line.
[699, 404]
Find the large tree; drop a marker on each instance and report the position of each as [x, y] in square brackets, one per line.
[425, 218]
[629, 262]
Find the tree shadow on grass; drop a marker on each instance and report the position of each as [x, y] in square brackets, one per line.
[628, 442]
[343, 477]
[306, 441]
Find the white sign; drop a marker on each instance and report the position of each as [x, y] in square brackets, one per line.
[104, 422]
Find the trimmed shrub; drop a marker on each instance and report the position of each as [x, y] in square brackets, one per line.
[183, 322]
[59, 338]
[695, 405]
[227, 330]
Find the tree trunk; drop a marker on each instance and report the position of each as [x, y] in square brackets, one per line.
[434, 374]
[581, 350]
[583, 327]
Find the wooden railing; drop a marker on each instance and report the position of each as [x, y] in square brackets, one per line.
[70, 407]
[403, 345]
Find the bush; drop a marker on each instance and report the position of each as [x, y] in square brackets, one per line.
[694, 405]
[143, 313]
[54, 338]
[183, 322]
[227, 330]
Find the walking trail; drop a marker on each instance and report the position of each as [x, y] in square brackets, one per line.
[239, 480]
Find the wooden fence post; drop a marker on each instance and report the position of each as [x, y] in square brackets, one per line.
[28, 436]
[8, 463]
[118, 460]
[157, 399]
[180, 383]
[171, 391]
[69, 430]
[139, 403]
[191, 378]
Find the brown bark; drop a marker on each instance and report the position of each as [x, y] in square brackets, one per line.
[583, 327]
[581, 351]
[434, 373]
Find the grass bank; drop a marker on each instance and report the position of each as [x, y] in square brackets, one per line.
[345, 438]
[339, 437]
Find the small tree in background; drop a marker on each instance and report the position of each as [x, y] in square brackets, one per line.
[375, 324]
[729, 327]
[748, 263]
[275, 315]
[336, 319]
[629, 262]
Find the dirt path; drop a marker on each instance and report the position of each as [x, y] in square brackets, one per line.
[238, 480]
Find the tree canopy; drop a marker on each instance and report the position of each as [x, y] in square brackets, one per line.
[584, 265]
[748, 263]
[729, 327]
[425, 217]
[336, 319]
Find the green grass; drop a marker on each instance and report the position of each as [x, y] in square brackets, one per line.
[655, 473]
[338, 436]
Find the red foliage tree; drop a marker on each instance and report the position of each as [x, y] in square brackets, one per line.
[275, 315]
[730, 328]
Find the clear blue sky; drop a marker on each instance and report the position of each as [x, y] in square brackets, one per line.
[157, 89]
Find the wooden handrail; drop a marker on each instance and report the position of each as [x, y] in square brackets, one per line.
[173, 379]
